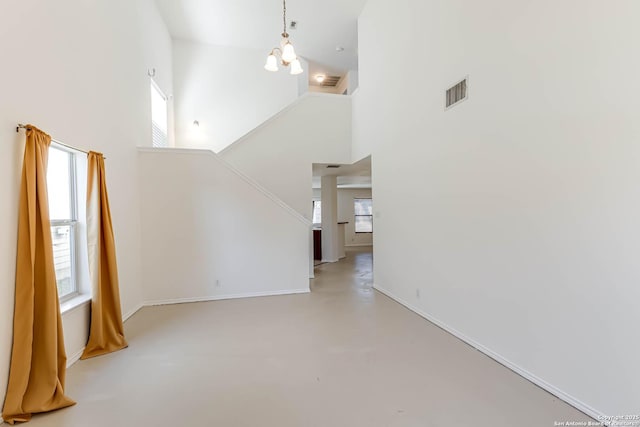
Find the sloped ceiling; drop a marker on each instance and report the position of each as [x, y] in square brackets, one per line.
[322, 26]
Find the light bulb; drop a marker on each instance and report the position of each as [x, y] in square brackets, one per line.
[296, 68]
[272, 63]
[288, 54]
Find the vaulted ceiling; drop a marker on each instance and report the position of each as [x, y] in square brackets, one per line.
[322, 26]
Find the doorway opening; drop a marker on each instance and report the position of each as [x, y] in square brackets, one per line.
[342, 211]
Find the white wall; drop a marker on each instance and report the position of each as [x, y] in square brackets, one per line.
[279, 154]
[346, 213]
[353, 82]
[227, 90]
[208, 233]
[78, 70]
[303, 79]
[517, 212]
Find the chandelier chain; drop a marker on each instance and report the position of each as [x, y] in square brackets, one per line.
[287, 54]
[284, 16]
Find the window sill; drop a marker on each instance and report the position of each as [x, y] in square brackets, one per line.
[74, 303]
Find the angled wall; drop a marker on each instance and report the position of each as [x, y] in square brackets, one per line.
[227, 90]
[280, 152]
[516, 213]
[209, 232]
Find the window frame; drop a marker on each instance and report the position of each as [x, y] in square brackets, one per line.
[356, 216]
[72, 223]
[313, 211]
[156, 87]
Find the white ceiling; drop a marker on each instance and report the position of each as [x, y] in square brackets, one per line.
[356, 175]
[322, 26]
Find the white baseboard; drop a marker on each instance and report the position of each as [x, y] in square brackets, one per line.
[226, 297]
[130, 313]
[579, 405]
[359, 245]
[74, 358]
[77, 355]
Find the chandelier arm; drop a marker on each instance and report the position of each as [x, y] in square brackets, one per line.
[285, 48]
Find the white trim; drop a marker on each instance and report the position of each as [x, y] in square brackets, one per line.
[74, 303]
[359, 245]
[226, 297]
[579, 405]
[130, 313]
[71, 360]
[75, 357]
[246, 178]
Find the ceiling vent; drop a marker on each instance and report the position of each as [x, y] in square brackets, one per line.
[333, 166]
[330, 81]
[456, 94]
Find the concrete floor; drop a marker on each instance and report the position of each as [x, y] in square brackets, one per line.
[343, 355]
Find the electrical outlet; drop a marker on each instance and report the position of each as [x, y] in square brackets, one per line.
[417, 293]
[217, 283]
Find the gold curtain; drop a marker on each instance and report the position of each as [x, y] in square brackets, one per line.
[107, 332]
[38, 358]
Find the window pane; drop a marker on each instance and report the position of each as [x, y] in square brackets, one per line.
[59, 184]
[363, 206]
[158, 109]
[364, 224]
[62, 237]
[317, 212]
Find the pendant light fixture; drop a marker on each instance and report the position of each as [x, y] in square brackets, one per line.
[285, 51]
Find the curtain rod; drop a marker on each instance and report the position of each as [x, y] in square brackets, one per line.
[21, 126]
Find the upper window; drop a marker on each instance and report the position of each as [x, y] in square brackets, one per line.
[363, 215]
[317, 212]
[63, 207]
[158, 116]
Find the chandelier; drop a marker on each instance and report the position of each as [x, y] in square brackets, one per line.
[285, 51]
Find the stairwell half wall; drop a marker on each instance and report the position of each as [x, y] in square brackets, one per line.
[209, 232]
[279, 154]
[227, 90]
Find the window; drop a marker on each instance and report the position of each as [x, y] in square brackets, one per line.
[364, 215]
[158, 116]
[63, 207]
[317, 212]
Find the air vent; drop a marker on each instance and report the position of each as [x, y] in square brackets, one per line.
[456, 94]
[333, 166]
[330, 81]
